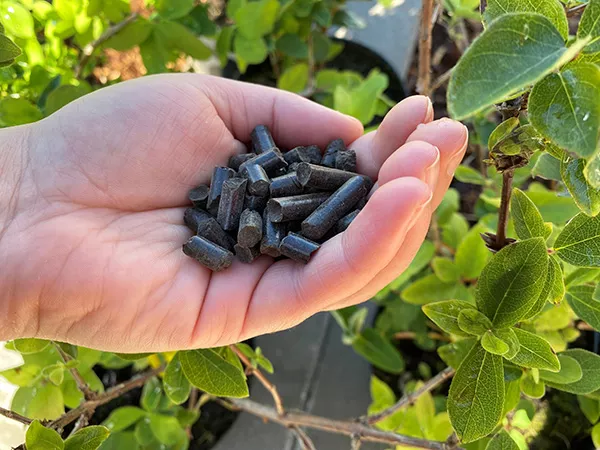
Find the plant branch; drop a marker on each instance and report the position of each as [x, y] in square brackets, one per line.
[81, 383]
[305, 441]
[348, 428]
[507, 179]
[482, 6]
[356, 443]
[441, 80]
[448, 372]
[576, 10]
[89, 49]
[15, 416]
[424, 80]
[89, 406]
[410, 335]
[263, 380]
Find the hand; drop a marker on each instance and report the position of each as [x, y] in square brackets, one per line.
[92, 201]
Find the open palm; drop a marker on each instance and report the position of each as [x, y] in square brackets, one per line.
[94, 239]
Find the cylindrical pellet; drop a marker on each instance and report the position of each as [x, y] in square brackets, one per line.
[345, 221]
[199, 195]
[310, 154]
[193, 217]
[298, 247]
[346, 160]
[335, 207]
[271, 160]
[258, 180]
[237, 160]
[286, 185]
[220, 175]
[331, 150]
[208, 253]
[232, 203]
[246, 254]
[251, 228]
[211, 230]
[262, 140]
[299, 207]
[255, 203]
[273, 233]
[324, 178]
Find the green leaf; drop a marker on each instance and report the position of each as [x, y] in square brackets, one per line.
[119, 441]
[88, 438]
[46, 403]
[454, 230]
[445, 315]
[151, 394]
[535, 352]
[527, 218]
[143, 432]
[493, 344]
[473, 322]
[257, 18]
[454, 353]
[557, 291]
[541, 301]
[553, 10]
[590, 367]
[17, 111]
[8, 50]
[586, 197]
[290, 44]
[592, 170]
[361, 102]
[570, 371]
[57, 376]
[123, 418]
[294, 78]
[508, 336]
[166, 429]
[17, 20]
[178, 37]
[513, 52]
[468, 175]
[39, 437]
[502, 131]
[579, 242]
[565, 108]
[531, 387]
[512, 282]
[62, 96]
[590, 408]
[224, 43]
[596, 435]
[174, 9]
[30, 345]
[589, 26]
[472, 255]
[445, 269]
[154, 54]
[208, 371]
[476, 396]
[547, 167]
[449, 205]
[555, 209]
[502, 441]
[378, 351]
[429, 289]
[581, 299]
[382, 397]
[131, 35]
[252, 51]
[176, 385]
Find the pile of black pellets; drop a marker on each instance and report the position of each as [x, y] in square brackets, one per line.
[273, 203]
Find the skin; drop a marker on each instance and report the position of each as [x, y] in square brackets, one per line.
[92, 198]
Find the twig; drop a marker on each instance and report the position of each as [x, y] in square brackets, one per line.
[482, 6]
[105, 397]
[81, 422]
[584, 327]
[424, 80]
[193, 400]
[15, 416]
[410, 335]
[507, 179]
[355, 443]
[576, 10]
[89, 49]
[441, 80]
[310, 89]
[347, 428]
[275, 64]
[81, 383]
[305, 441]
[263, 380]
[410, 399]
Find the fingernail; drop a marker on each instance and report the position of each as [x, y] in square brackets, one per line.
[457, 157]
[432, 171]
[417, 212]
[429, 113]
[373, 189]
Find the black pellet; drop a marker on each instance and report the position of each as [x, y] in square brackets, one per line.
[286, 185]
[271, 161]
[273, 233]
[258, 180]
[199, 195]
[193, 217]
[211, 230]
[251, 228]
[335, 207]
[345, 221]
[310, 154]
[232, 203]
[298, 247]
[262, 140]
[246, 254]
[324, 178]
[346, 160]
[208, 254]
[220, 175]
[299, 207]
[255, 203]
[237, 160]
[331, 152]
